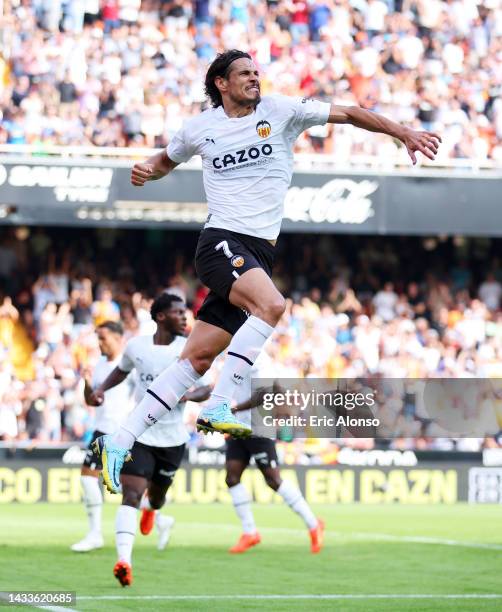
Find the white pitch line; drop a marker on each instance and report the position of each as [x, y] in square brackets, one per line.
[363, 535]
[299, 596]
[425, 540]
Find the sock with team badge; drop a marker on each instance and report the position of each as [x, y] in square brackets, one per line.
[295, 500]
[93, 501]
[162, 395]
[125, 532]
[241, 355]
[242, 504]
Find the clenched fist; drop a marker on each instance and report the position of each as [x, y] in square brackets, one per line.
[141, 173]
[92, 397]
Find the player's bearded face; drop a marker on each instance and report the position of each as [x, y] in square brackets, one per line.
[243, 82]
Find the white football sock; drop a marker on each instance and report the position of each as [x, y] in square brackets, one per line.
[93, 501]
[162, 519]
[242, 504]
[125, 532]
[242, 353]
[162, 395]
[295, 500]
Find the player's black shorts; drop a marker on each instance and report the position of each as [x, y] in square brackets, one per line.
[261, 449]
[154, 463]
[92, 460]
[221, 257]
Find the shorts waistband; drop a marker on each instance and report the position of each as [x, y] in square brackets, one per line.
[242, 237]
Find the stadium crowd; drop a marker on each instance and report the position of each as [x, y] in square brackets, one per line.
[127, 72]
[356, 307]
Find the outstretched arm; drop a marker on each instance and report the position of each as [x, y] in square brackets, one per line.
[255, 400]
[257, 397]
[425, 142]
[155, 167]
[199, 394]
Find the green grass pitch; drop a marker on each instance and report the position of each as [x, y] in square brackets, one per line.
[372, 557]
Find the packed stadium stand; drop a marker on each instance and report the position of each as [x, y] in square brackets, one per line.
[126, 72]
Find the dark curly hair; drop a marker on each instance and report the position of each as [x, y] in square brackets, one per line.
[163, 302]
[220, 67]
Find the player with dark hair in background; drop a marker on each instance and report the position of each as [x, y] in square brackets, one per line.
[109, 414]
[159, 451]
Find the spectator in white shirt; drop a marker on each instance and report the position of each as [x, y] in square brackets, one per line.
[374, 17]
[385, 302]
[490, 292]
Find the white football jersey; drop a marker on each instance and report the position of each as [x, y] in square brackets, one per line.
[117, 402]
[150, 360]
[247, 162]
